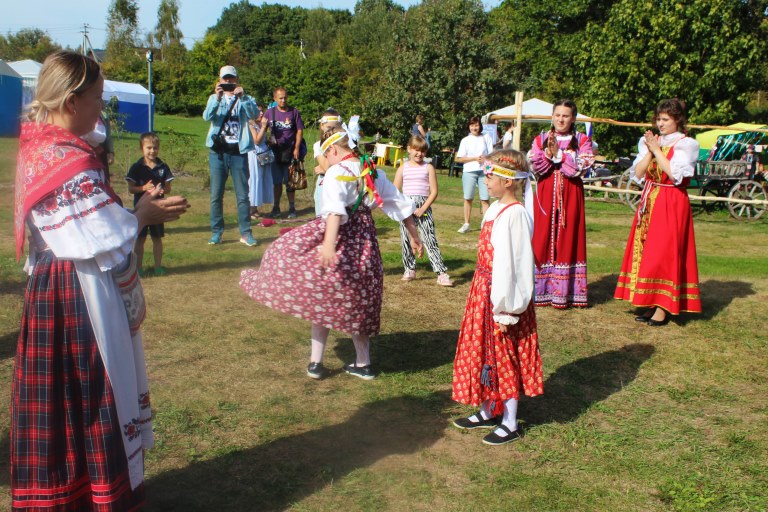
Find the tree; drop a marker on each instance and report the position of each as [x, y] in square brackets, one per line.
[167, 34]
[441, 68]
[122, 61]
[706, 54]
[28, 43]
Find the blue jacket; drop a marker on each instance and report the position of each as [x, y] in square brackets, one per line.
[216, 111]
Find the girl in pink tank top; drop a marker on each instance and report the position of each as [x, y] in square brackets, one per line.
[417, 180]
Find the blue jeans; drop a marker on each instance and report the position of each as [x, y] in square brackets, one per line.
[221, 167]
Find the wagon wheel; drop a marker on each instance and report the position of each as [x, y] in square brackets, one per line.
[704, 206]
[632, 200]
[747, 189]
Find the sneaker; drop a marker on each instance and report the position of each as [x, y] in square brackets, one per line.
[160, 271]
[292, 213]
[215, 239]
[316, 371]
[275, 213]
[496, 438]
[464, 228]
[363, 372]
[249, 240]
[469, 424]
[444, 280]
[409, 275]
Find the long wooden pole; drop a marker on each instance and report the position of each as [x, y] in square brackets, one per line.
[517, 131]
[606, 120]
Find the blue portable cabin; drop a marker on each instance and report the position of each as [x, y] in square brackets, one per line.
[132, 104]
[10, 101]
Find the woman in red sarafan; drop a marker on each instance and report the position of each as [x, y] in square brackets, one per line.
[659, 269]
[560, 158]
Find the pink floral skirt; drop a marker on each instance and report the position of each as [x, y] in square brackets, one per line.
[346, 297]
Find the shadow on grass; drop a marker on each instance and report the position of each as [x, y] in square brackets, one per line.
[211, 267]
[5, 456]
[8, 345]
[277, 474]
[601, 291]
[574, 387]
[424, 267]
[405, 351]
[715, 297]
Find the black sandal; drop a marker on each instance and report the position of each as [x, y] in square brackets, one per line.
[468, 424]
[495, 439]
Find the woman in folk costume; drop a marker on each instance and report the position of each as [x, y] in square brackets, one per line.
[80, 415]
[497, 356]
[329, 271]
[560, 157]
[659, 270]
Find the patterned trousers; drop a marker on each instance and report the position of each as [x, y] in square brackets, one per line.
[426, 227]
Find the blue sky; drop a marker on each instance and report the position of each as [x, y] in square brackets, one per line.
[64, 19]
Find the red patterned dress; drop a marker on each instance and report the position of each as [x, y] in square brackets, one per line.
[346, 297]
[491, 365]
[560, 230]
[659, 266]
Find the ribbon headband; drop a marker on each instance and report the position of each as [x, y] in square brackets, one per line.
[510, 174]
[330, 141]
[329, 119]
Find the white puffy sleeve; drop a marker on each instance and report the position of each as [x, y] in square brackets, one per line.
[512, 279]
[80, 221]
[337, 193]
[683, 161]
[396, 205]
[642, 150]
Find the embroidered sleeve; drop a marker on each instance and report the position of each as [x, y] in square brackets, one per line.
[512, 278]
[541, 164]
[80, 221]
[578, 163]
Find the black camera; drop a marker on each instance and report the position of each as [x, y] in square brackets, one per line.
[228, 87]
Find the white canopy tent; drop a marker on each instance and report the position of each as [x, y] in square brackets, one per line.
[28, 70]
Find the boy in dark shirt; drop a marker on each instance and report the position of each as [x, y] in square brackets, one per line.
[147, 173]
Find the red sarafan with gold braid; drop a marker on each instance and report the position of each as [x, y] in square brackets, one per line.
[659, 266]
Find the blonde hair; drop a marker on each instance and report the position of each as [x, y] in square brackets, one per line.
[63, 73]
[510, 159]
[418, 143]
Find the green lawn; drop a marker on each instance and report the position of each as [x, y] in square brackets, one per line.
[633, 418]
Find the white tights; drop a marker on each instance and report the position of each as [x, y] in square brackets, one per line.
[320, 337]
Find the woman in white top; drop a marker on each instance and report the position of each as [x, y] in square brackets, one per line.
[472, 151]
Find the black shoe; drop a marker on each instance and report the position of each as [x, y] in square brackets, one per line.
[275, 213]
[363, 372]
[317, 371]
[642, 319]
[495, 439]
[468, 424]
[658, 323]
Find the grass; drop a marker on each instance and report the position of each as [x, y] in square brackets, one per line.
[632, 418]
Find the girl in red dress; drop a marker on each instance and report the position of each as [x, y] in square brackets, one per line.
[498, 350]
[560, 157]
[659, 270]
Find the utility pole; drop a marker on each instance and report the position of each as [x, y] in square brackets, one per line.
[87, 42]
[150, 58]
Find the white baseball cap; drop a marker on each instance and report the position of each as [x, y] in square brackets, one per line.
[227, 71]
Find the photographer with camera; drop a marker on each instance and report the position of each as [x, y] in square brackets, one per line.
[229, 140]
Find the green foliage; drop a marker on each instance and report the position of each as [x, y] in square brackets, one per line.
[28, 43]
[441, 68]
[261, 28]
[167, 34]
[123, 62]
[655, 49]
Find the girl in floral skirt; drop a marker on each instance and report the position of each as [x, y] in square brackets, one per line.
[498, 351]
[329, 271]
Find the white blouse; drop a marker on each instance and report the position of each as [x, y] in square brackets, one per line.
[684, 157]
[338, 194]
[83, 222]
[512, 278]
